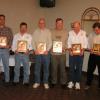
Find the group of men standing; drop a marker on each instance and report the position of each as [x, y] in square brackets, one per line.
[49, 47]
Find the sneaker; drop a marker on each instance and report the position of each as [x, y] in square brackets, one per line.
[87, 87]
[77, 86]
[70, 85]
[46, 86]
[36, 85]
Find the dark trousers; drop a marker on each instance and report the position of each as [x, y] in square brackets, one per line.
[75, 64]
[94, 60]
[58, 62]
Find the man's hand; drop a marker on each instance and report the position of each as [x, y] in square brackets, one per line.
[38, 53]
[70, 52]
[46, 52]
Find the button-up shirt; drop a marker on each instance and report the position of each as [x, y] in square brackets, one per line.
[18, 37]
[79, 38]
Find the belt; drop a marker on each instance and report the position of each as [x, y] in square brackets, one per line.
[21, 52]
[2, 48]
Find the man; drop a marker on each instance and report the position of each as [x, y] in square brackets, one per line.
[6, 37]
[42, 44]
[22, 44]
[58, 58]
[77, 42]
[94, 58]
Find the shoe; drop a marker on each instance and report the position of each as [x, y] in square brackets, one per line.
[15, 83]
[52, 85]
[7, 84]
[26, 84]
[70, 85]
[2, 76]
[63, 86]
[87, 87]
[77, 86]
[46, 86]
[36, 85]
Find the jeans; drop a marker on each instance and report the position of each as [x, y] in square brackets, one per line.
[75, 64]
[24, 60]
[94, 61]
[58, 62]
[39, 61]
[4, 56]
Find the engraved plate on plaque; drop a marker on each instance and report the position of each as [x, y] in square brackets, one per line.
[22, 46]
[96, 49]
[76, 49]
[57, 47]
[41, 47]
[3, 41]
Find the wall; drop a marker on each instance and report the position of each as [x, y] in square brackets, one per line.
[17, 11]
[30, 11]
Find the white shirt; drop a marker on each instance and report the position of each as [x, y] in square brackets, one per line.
[18, 37]
[79, 38]
[93, 39]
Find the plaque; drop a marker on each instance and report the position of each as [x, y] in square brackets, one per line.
[76, 49]
[3, 41]
[41, 47]
[57, 47]
[22, 46]
[96, 49]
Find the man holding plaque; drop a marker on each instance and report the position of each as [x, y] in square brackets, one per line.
[58, 53]
[6, 38]
[42, 44]
[94, 58]
[77, 42]
[22, 44]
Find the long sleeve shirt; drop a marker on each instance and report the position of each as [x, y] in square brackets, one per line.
[18, 37]
[79, 38]
[93, 39]
[7, 32]
[42, 36]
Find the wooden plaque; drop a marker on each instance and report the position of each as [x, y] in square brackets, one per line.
[41, 47]
[76, 49]
[57, 47]
[22, 46]
[3, 41]
[96, 49]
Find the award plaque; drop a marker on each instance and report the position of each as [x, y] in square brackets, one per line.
[76, 49]
[57, 47]
[96, 49]
[41, 47]
[22, 46]
[3, 41]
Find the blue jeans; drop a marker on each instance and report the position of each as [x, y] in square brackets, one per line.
[45, 60]
[24, 60]
[4, 56]
[75, 64]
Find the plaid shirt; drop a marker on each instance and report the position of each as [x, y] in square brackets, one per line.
[5, 31]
